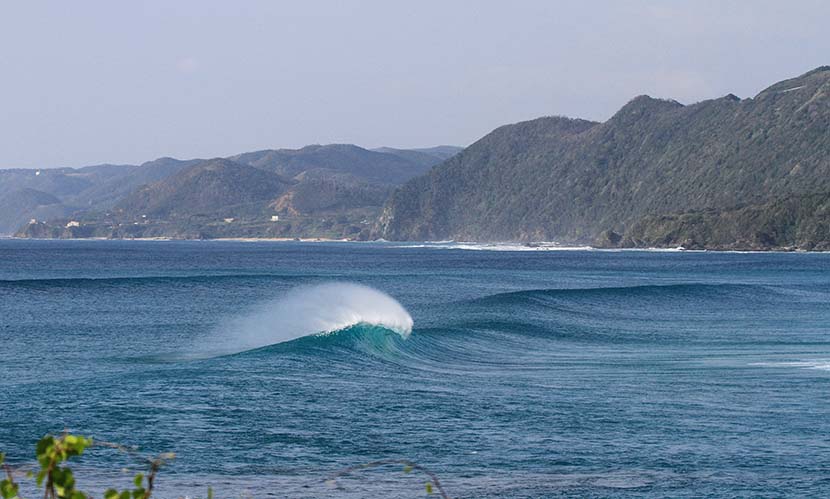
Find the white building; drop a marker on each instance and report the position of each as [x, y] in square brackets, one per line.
[275, 218]
[73, 223]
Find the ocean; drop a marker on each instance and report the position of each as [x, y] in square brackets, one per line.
[509, 372]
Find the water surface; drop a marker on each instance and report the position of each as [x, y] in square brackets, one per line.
[526, 374]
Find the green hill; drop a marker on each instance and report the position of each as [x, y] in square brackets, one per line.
[214, 187]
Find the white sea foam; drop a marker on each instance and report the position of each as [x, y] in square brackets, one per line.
[819, 364]
[494, 246]
[535, 246]
[311, 310]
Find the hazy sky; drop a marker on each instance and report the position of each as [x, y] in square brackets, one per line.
[87, 82]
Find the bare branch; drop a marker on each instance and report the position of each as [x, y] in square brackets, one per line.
[385, 462]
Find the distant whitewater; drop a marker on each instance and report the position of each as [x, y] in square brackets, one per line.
[311, 310]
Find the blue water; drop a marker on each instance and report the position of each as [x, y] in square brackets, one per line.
[526, 374]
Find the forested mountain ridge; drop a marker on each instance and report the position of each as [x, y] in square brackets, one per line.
[608, 184]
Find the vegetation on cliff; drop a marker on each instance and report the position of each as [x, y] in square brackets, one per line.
[721, 173]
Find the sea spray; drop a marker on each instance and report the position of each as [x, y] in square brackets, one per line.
[310, 310]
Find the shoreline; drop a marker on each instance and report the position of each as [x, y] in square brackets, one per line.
[506, 246]
[227, 239]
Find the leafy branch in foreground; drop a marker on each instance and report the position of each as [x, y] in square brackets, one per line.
[58, 481]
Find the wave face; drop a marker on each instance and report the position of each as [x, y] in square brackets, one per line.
[311, 310]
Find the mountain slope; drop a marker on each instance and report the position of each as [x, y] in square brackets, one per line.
[427, 157]
[110, 184]
[217, 186]
[25, 204]
[338, 159]
[580, 182]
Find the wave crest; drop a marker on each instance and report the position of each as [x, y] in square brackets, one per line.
[314, 310]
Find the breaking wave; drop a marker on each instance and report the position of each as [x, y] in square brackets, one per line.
[311, 310]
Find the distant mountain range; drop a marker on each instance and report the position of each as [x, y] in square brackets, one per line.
[724, 173]
[322, 190]
[53, 193]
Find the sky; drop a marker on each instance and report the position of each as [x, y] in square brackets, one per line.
[89, 82]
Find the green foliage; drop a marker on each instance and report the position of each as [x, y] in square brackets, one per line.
[58, 481]
[139, 492]
[54, 476]
[8, 488]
